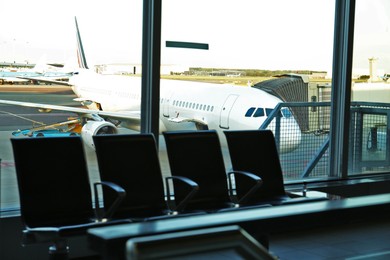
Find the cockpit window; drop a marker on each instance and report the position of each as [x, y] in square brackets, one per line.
[250, 111]
[259, 112]
[286, 112]
[268, 111]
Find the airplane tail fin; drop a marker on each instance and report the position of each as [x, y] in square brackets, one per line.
[80, 50]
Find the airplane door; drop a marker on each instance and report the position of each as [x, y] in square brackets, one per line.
[165, 106]
[225, 112]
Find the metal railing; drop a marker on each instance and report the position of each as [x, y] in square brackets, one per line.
[369, 140]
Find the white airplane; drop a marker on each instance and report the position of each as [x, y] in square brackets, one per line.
[39, 72]
[15, 76]
[184, 105]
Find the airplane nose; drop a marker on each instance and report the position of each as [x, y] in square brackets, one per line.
[290, 136]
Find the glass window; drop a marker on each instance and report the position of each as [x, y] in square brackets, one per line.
[250, 111]
[268, 111]
[50, 51]
[290, 39]
[286, 112]
[259, 112]
[371, 65]
[249, 49]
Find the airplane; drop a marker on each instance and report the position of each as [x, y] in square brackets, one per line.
[114, 101]
[39, 72]
[12, 77]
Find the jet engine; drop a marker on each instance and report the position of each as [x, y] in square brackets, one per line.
[92, 128]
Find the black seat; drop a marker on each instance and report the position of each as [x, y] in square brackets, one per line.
[131, 160]
[255, 151]
[198, 156]
[55, 192]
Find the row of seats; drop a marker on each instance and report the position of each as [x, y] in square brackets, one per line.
[56, 199]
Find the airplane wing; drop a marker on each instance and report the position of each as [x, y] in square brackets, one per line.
[180, 119]
[200, 123]
[5, 80]
[128, 116]
[46, 80]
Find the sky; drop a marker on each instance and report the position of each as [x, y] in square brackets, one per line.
[250, 34]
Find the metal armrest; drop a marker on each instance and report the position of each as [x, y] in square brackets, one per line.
[257, 184]
[194, 189]
[121, 194]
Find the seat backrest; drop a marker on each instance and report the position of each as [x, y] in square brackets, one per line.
[197, 155]
[255, 151]
[132, 162]
[53, 181]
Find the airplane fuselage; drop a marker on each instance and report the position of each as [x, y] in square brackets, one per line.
[185, 105]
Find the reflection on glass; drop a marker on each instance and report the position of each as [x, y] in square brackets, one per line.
[251, 44]
[375, 138]
[40, 43]
[280, 48]
[371, 67]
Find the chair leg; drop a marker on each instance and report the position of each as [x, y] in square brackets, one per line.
[59, 250]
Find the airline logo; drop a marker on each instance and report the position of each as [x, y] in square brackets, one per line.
[80, 50]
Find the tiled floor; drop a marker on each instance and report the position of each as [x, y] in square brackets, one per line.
[365, 240]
